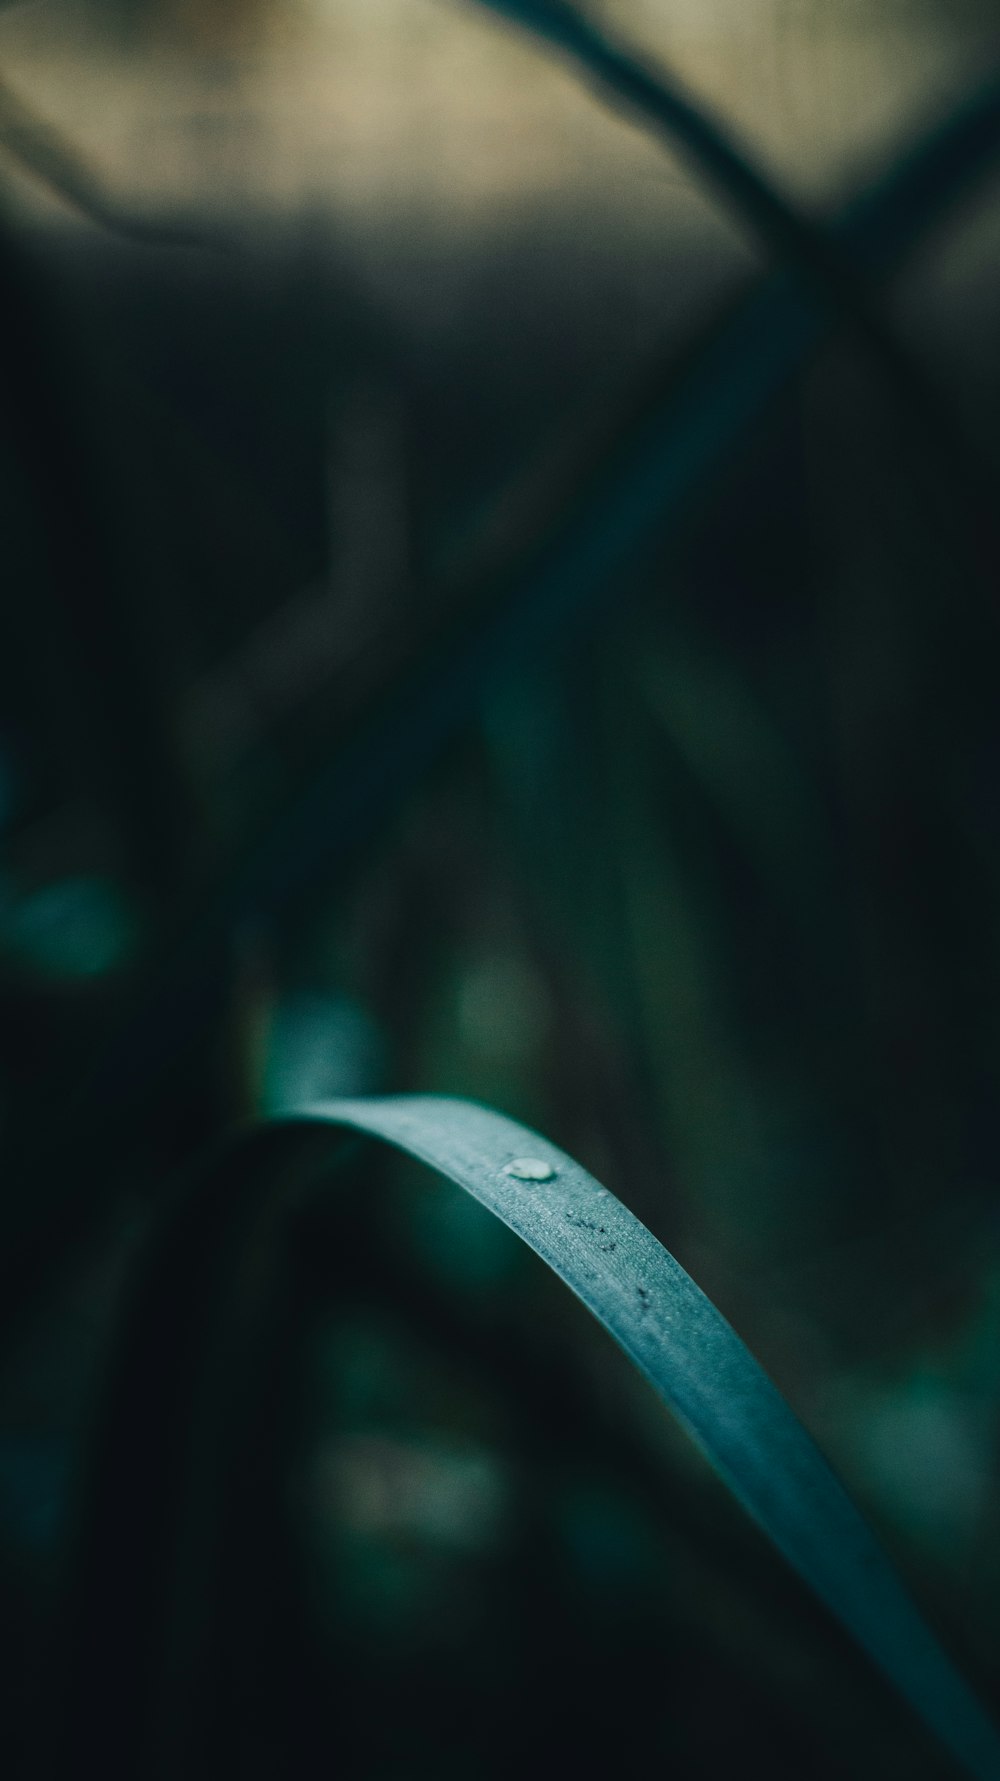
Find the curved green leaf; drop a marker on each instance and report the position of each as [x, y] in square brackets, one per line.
[702, 1371]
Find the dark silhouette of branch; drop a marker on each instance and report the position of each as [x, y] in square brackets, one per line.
[550, 585]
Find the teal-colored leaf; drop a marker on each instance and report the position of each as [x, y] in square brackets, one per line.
[702, 1371]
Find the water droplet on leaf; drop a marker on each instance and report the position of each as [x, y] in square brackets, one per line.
[530, 1168]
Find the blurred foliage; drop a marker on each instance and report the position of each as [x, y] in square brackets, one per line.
[706, 889]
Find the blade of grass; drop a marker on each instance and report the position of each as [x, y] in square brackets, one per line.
[218, 1237]
[703, 1372]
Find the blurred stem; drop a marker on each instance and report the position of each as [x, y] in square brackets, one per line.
[97, 622]
[549, 584]
[559, 784]
[664, 108]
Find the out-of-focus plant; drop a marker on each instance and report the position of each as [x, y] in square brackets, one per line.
[545, 915]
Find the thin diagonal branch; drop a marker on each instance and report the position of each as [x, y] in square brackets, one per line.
[687, 428]
[660, 103]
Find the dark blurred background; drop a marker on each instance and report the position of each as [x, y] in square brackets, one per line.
[323, 319]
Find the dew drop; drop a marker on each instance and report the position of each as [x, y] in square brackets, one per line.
[530, 1168]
